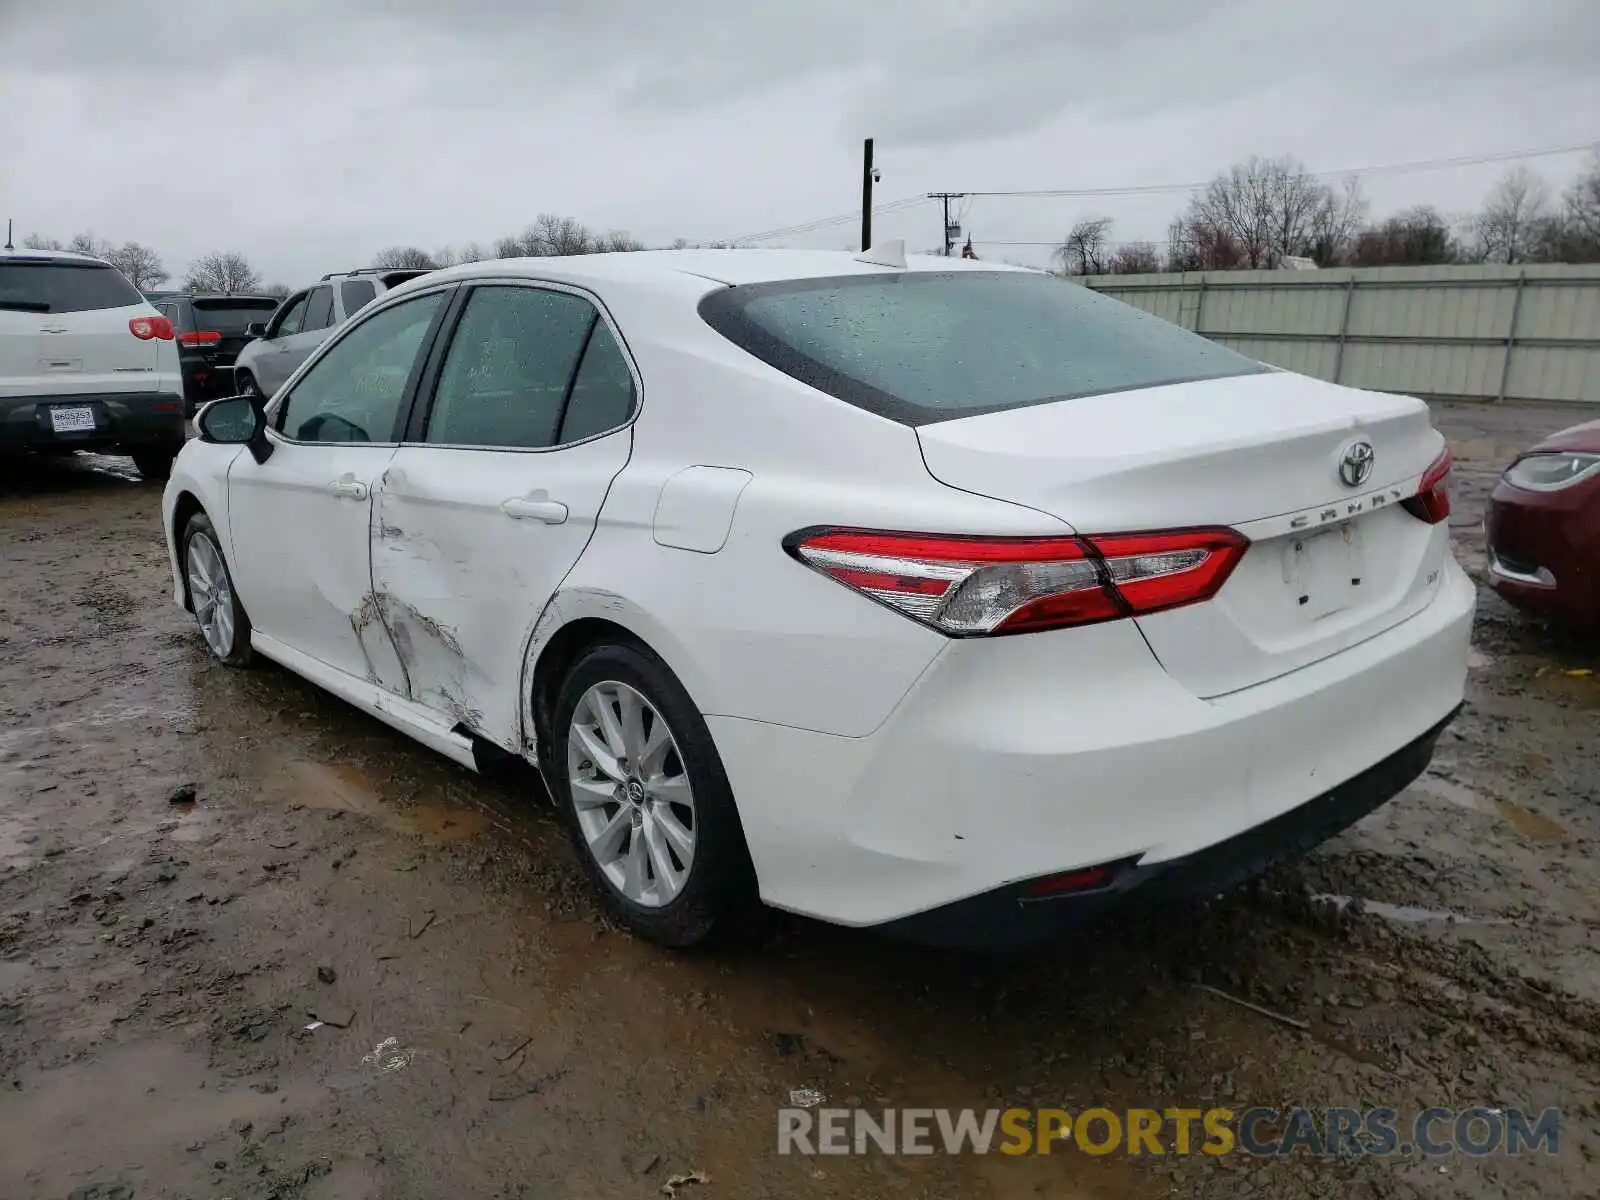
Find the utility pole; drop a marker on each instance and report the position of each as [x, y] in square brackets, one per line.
[866, 196]
[947, 197]
[9, 246]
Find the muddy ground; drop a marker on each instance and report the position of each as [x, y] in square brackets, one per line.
[487, 1034]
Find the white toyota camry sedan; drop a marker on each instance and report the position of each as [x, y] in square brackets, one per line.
[946, 598]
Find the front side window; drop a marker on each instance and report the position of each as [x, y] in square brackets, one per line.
[353, 393]
[293, 314]
[509, 370]
[919, 346]
[319, 310]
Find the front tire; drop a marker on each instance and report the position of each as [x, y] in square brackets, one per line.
[224, 625]
[647, 801]
[247, 385]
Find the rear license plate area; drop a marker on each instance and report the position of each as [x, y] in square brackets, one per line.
[72, 418]
[1324, 571]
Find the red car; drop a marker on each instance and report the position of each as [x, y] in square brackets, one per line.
[1544, 528]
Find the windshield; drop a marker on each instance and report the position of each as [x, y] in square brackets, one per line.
[231, 314]
[43, 286]
[919, 347]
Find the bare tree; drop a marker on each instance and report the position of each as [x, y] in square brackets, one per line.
[222, 271]
[1136, 258]
[1509, 227]
[1573, 233]
[408, 257]
[1198, 245]
[37, 241]
[1336, 223]
[552, 235]
[1086, 248]
[473, 252]
[140, 264]
[1267, 210]
[1416, 237]
[87, 243]
[280, 290]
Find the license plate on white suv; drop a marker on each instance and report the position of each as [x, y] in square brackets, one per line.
[76, 418]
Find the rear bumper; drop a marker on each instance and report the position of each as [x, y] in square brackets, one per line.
[120, 419]
[1015, 758]
[1009, 916]
[1544, 551]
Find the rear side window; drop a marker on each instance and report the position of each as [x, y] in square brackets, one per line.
[509, 370]
[319, 310]
[231, 315]
[63, 287]
[355, 293]
[602, 392]
[919, 347]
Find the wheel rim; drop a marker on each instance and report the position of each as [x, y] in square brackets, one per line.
[631, 794]
[210, 594]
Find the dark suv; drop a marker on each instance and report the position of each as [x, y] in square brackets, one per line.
[210, 332]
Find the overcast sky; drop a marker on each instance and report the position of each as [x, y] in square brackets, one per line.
[310, 133]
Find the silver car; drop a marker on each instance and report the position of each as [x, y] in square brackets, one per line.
[304, 321]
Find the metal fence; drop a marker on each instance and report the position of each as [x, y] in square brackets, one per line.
[1481, 332]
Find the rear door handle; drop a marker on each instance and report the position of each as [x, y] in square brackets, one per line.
[348, 489]
[521, 508]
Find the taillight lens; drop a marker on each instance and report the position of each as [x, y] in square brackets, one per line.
[971, 586]
[1432, 501]
[146, 328]
[200, 337]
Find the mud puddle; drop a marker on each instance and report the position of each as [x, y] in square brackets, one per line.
[345, 787]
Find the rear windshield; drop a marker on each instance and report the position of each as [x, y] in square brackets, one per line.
[63, 287]
[920, 347]
[234, 313]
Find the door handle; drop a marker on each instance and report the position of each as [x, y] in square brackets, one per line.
[348, 489]
[551, 512]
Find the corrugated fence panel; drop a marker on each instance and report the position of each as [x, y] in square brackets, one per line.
[1523, 332]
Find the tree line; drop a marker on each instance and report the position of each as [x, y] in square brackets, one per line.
[1264, 212]
[1258, 213]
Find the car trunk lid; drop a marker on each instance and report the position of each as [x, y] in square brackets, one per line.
[1331, 562]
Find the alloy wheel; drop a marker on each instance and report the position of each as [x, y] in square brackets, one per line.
[631, 794]
[211, 594]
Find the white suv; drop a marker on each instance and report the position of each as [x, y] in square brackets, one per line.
[86, 362]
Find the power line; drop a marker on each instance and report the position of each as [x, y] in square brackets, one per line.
[824, 222]
[1434, 164]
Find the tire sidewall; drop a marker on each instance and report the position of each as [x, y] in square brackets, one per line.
[239, 652]
[721, 882]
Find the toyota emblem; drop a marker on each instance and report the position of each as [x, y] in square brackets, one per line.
[1355, 464]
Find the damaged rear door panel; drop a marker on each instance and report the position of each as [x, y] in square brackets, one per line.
[479, 518]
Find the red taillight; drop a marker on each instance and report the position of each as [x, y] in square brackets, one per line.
[1087, 879]
[969, 586]
[200, 337]
[146, 328]
[1432, 501]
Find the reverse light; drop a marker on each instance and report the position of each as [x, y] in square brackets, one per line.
[972, 586]
[1551, 471]
[147, 328]
[200, 337]
[1432, 501]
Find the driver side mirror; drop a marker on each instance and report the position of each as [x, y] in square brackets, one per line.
[235, 421]
[256, 329]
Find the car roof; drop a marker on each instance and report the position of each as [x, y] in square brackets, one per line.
[26, 255]
[730, 267]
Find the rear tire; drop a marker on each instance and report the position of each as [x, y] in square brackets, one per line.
[647, 802]
[155, 462]
[224, 625]
[247, 385]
